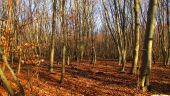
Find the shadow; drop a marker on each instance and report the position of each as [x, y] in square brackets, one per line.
[76, 73]
[106, 73]
[68, 84]
[48, 77]
[160, 87]
[105, 78]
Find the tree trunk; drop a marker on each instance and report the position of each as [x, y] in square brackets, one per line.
[13, 75]
[52, 36]
[147, 52]
[63, 65]
[123, 61]
[20, 61]
[120, 56]
[6, 83]
[93, 56]
[136, 49]
[168, 24]
[62, 2]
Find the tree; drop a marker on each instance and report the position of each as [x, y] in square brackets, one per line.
[163, 35]
[116, 19]
[168, 25]
[93, 56]
[53, 35]
[62, 8]
[147, 51]
[6, 83]
[136, 48]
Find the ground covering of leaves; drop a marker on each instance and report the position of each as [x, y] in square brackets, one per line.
[84, 79]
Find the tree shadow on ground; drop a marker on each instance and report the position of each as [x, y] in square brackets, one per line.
[77, 73]
[111, 78]
[160, 87]
[103, 77]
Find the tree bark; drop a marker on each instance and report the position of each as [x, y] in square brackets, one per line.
[168, 24]
[6, 83]
[62, 2]
[147, 51]
[52, 36]
[136, 49]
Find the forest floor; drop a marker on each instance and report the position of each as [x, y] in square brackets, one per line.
[104, 79]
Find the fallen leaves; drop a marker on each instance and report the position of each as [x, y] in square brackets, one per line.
[84, 79]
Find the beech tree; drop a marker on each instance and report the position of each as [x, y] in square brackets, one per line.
[62, 10]
[147, 51]
[136, 48]
[53, 36]
[168, 30]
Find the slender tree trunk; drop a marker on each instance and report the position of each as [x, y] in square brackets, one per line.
[123, 61]
[147, 52]
[52, 36]
[6, 83]
[136, 49]
[93, 56]
[120, 56]
[123, 41]
[168, 24]
[62, 2]
[20, 61]
[63, 65]
[14, 76]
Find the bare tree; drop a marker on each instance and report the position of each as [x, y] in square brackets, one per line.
[62, 10]
[147, 52]
[53, 35]
[136, 49]
[168, 25]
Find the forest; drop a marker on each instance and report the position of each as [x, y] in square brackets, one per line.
[84, 47]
